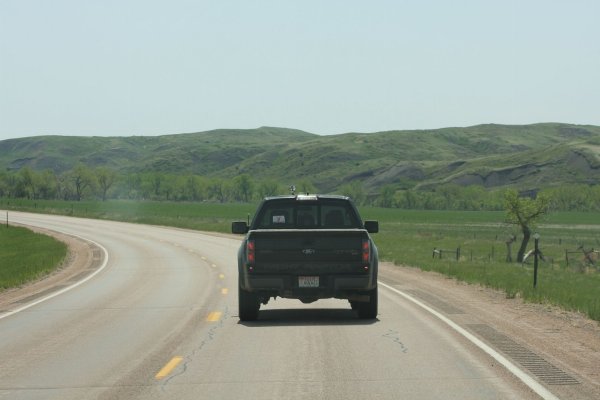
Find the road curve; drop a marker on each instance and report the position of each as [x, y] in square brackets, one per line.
[160, 321]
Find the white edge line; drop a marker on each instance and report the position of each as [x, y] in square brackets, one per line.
[63, 290]
[516, 371]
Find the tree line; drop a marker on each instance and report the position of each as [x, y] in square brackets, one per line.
[102, 183]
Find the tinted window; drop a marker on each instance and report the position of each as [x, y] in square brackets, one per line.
[293, 214]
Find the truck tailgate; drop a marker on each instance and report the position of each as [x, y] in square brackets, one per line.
[309, 251]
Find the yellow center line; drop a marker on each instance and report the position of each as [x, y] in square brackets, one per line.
[224, 291]
[214, 316]
[170, 366]
[221, 276]
[214, 265]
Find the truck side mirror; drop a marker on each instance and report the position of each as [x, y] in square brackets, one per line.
[372, 226]
[240, 227]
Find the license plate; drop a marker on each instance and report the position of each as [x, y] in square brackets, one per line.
[308, 281]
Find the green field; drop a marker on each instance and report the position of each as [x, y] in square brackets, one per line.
[26, 256]
[483, 253]
[408, 237]
[201, 216]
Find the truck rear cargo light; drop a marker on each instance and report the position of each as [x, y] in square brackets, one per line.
[250, 253]
[306, 197]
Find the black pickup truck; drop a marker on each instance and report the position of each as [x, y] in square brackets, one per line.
[307, 247]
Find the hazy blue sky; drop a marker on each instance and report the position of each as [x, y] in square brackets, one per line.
[158, 67]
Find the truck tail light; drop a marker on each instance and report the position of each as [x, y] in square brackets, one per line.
[250, 254]
[366, 254]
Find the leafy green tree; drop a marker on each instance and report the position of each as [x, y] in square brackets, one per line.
[63, 186]
[47, 184]
[408, 199]
[130, 186]
[105, 178]
[355, 191]
[217, 189]
[268, 188]
[180, 192]
[194, 188]
[149, 186]
[168, 187]
[524, 212]
[386, 196]
[82, 179]
[243, 188]
[156, 181]
[449, 195]
[4, 190]
[30, 180]
[575, 197]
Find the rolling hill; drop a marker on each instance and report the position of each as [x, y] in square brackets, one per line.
[527, 156]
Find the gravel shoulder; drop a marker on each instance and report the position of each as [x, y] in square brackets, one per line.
[567, 340]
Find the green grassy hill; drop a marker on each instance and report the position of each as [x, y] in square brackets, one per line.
[202, 153]
[528, 156]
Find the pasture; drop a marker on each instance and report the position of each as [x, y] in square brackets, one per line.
[482, 239]
[408, 237]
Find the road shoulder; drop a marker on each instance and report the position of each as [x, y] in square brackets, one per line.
[566, 340]
[81, 260]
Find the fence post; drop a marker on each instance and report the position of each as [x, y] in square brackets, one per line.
[535, 258]
[567, 256]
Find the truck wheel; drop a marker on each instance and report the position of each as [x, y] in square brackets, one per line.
[368, 310]
[248, 305]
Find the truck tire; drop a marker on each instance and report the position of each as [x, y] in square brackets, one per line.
[248, 305]
[368, 310]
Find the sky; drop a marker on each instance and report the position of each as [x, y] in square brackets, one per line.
[124, 68]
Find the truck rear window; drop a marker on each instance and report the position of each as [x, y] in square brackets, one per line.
[292, 214]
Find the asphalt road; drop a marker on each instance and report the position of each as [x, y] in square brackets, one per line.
[160, 321]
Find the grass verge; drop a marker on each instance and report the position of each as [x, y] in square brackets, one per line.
[26, 256]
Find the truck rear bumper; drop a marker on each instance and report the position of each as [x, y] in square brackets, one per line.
[329, 286]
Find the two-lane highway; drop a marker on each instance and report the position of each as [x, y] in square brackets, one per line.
[160, 321]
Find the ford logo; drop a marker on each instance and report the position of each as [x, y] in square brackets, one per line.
[308, 252]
